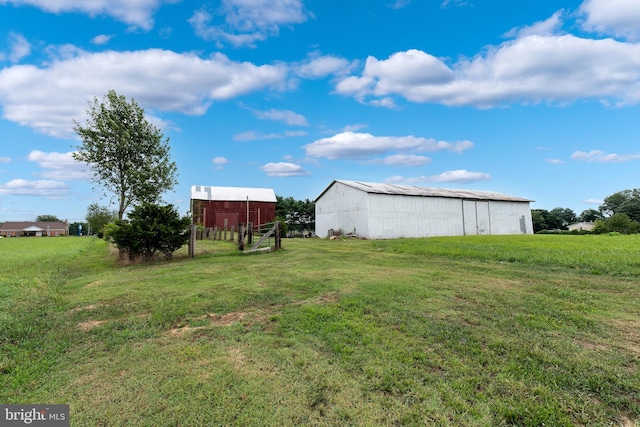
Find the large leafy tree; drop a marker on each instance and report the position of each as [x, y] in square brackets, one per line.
[127, 154]
[624, 202]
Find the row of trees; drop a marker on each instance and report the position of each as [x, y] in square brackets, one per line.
[297, 215]
[620, 212]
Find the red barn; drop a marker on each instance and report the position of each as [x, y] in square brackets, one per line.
[212, 205]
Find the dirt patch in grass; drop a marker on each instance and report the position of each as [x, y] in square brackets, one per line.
[92, 324]
[86, 307]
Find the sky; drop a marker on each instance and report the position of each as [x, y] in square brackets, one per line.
[532, 98]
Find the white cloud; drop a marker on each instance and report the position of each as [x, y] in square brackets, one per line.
[59, 166]
[248, 21]
[219, 162]
[289, 117]
[602, 157]
[48, 98]
[593, 201]
[547, 27]
[101, 39]
[255, 136]
[458, 176]
[399, 4]
[19, 48]
[620, 18]
[554, 161]
[138, 13]
[5, 159]
[283, 169]
[322, 66]
[528, 70]
[403, 160]
[42, 188]
[352, 145]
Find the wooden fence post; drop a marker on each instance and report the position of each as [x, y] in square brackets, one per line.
[241, 237]
[192, 240]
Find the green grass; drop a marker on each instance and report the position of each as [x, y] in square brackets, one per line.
[487, 330]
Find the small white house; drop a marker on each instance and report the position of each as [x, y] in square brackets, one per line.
[388, 211]
[581, 226]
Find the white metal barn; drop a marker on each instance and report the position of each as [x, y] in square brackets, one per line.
[387, 211]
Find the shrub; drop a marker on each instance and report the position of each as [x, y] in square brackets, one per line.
[150, 229]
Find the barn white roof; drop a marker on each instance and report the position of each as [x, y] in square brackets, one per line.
[412, 190]
[232, 194]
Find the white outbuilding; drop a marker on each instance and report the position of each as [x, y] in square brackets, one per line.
[389, 211]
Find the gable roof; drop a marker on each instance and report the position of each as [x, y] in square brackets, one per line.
[33, 225]
[412, 190]
[232, 194]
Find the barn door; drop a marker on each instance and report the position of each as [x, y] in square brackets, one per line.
[483, 218]
[469, 218]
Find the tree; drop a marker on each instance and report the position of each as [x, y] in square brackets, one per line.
[538, 219]
[47, 218]
[618, 222]
[99, 216]
[126, 154]
[590, 215]
[150, 229]
[297, 214]
[562, 217]
[626, 202]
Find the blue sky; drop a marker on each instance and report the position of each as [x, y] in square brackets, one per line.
[533, 98]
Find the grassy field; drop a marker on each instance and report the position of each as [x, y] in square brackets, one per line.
[483, 331]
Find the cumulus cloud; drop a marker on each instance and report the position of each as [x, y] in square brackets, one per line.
[554, 161]
[619, 18]
[352, 145]
[528, 70]
[547, 27]
[101, 39]
[59, 166]
[138, 13]
[48, 98]
[317, 67]
[460, 176]
[42, 188]
[19, 47]
[602, 157]
[289, 117]
[219, 162]
[284, 169]
[247, 21]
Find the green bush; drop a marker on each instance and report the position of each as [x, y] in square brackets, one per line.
[150, 229]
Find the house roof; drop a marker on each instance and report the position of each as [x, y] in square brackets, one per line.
[412, 190]
[232, 194]
[33, 226]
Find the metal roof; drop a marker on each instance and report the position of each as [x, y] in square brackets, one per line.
[232, 194]
[33, 225]
[412, 190]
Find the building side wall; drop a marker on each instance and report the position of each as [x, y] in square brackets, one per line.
[510, 217]
[342, 208]
[395, 216]
[213, 213]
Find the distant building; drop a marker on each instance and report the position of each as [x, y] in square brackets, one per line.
[211, 206]
[34, 229]
[580, 226]
[387, 211]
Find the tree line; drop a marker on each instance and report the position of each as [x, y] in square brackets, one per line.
[620, 212]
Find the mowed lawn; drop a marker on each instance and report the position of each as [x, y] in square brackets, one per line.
[483, 331]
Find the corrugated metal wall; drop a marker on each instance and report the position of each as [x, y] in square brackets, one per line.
[383, 216]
